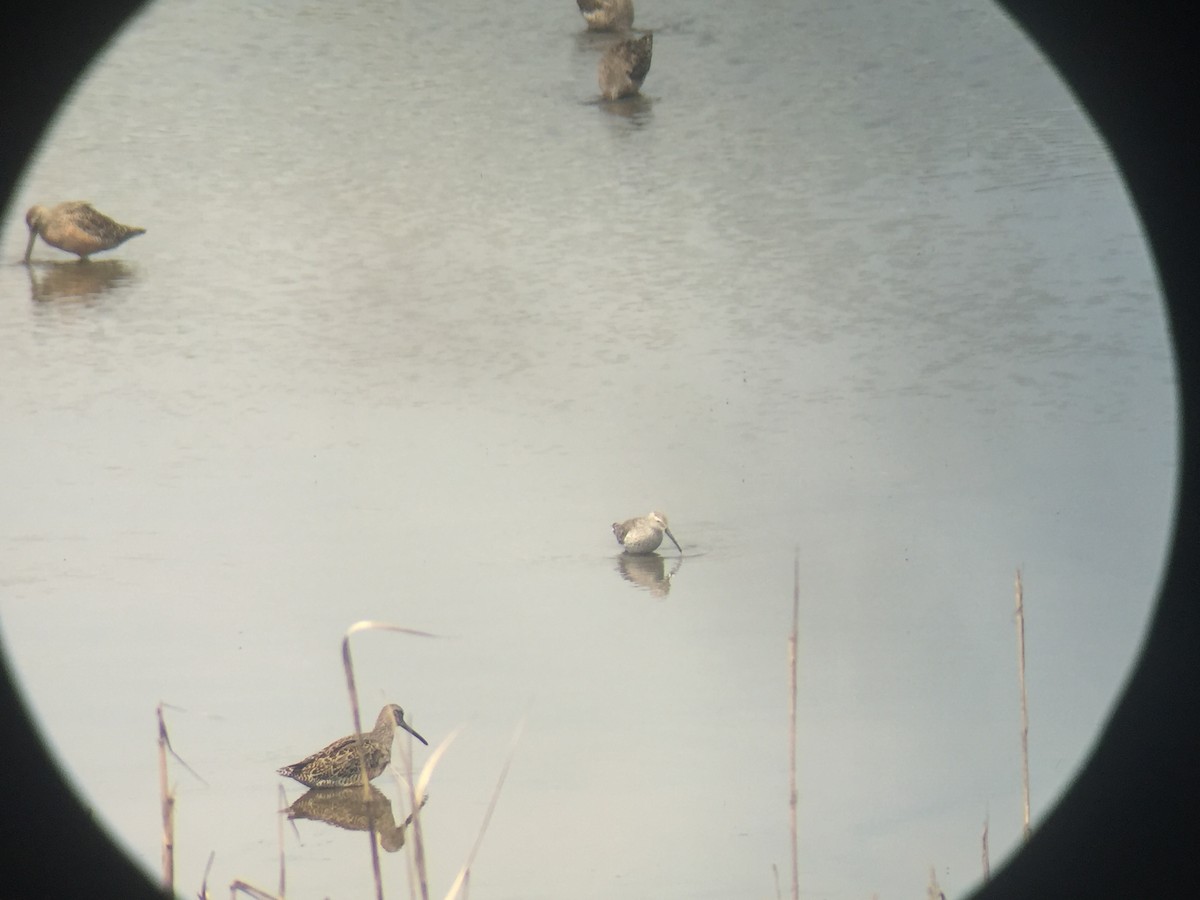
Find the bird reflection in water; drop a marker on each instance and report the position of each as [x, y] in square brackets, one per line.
[633, 112]
[346, 808]
[648, 572]
[66, 281]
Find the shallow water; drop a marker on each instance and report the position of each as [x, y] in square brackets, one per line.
[416, 318]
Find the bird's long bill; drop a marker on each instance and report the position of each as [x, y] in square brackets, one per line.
[29, 247]
[411, 731]
[667, 531]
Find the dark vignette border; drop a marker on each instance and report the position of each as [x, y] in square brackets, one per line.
[1129, 826]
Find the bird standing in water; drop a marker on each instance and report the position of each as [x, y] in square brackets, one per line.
[624, 65]
[607, 15]
[76, 227]
[644, 534]
[338, 764]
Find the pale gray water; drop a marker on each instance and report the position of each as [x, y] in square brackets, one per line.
[416, 319]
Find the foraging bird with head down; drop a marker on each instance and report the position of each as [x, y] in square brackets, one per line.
[607, 15]
[644, 534]
[338, 764]
[624, 66]
[76, 227]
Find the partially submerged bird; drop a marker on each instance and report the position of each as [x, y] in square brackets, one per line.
[607, 15]
[644, 534]
[76, 227]
[624, 65]
[338, 764]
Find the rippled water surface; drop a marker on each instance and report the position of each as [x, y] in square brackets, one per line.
[416, 318]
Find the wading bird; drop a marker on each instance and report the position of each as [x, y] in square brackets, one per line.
[607, 15]
[624, 65]
[77, 228]
[644, 534]
[338, 764]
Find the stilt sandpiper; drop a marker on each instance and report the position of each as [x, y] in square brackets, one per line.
[644, 534]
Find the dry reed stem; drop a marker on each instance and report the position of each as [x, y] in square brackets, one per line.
[203, 895]
[935, 890]
[435, 757]
[417, 788]
[1024, 707]
[280, 816]
[362, 759]
[250, 890]
[987, 868]
[348, 664]
[464, 875]
[793, 793]
[168, 807]
[416, 846]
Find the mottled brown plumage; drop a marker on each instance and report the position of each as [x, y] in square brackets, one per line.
[338, 764]
[607, 15]
[624, 66]
[76, 227]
